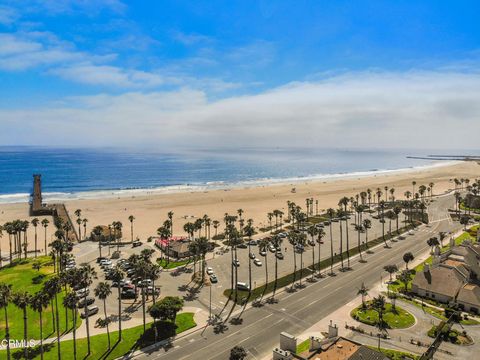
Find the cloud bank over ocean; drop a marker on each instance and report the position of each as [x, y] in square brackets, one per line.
[363, 109]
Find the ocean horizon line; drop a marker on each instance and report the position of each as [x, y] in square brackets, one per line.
[9, 198]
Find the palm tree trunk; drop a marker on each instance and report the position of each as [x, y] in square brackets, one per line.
[119, 315]
[105, 312]
[45, 241]
[74, 316]
[143, 308]
[331, 248]
[249, 270]
[313, 260]
[25, 332]
[87, 324]
[341, 242]
[348, 244]
[41, 335]
[294, 266]
[36, 241]
[236, 275]
[59, 353]
[7, 333]
[53, 314]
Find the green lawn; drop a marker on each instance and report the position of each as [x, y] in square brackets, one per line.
[132, 339]
[303, 346]
[171, 264]
[397, 318]
[23, 277]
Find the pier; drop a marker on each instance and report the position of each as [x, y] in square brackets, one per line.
[38, 208]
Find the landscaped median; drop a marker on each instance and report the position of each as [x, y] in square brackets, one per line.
[394, 317]
[167, 265]
[132, 339]
[288, 279]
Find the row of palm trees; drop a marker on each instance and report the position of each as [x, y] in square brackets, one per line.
[17, 236]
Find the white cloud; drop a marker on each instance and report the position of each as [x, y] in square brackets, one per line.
[89, 73]
[413, 109]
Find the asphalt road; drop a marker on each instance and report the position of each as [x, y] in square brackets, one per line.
[295, 312]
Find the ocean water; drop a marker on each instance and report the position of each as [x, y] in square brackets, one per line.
[93, 173]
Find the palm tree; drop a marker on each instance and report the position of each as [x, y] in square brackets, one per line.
[378, 304]
[52, 287]
[344, 202]
[22, 301]
[84, 222]
[293, 239]
[131, 218]
[5, 298]
[364, 292]
[38, 303]
[102, 291]
[170, 218]
[216, 224]
[117, 276]
[407, 257]
[331, 214]
[79, 222]
[70, 302]
[312, 231]
[45, 223]
[390, 269]
[87, 274]
[262, 245]
[382, 220]
[118, 228]
[1, 235]
[277, 243]
[301, 241]
[35, 222]
[249, 231]
[320, 236]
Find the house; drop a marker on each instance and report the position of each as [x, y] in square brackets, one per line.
[453, 277]
[175, 246]
[331, 347]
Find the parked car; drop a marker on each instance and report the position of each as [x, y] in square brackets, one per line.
[91, 310]
[311, 242]
[242, 246]
[279, 255]
[263, 253]
[82, 292]
[136, 243]
[257, 262]
[271, 248]
[236, 263]
[252, 255]
[252, 242]
[213, 279]
[150, 290]
[243, 286]
[99, 259]
[128, 294]
[209, 271]
[411, 232]
[88, 301]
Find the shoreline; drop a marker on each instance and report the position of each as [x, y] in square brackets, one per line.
[98, 194]
[150, 210]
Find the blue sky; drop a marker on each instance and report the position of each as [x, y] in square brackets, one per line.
[183, 66]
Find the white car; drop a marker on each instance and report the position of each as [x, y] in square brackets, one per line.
[410, 232]
[209, 271]
[257, 262]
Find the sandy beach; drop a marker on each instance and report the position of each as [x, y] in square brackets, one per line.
[151, 210]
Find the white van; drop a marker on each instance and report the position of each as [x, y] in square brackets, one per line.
[243, 286]
[91, 310]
